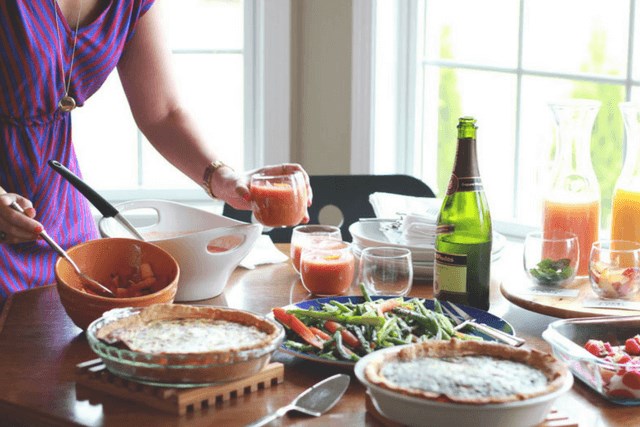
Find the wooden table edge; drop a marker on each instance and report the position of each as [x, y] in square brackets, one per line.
[9, 302]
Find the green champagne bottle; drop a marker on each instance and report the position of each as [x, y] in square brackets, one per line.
[462, 265]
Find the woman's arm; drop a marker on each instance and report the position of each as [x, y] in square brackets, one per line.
[147, 77]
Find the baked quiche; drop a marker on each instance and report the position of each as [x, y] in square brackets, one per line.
[470, 372]
[183, 329]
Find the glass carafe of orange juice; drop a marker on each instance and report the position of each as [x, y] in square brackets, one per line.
[625, 219]
[572, 194]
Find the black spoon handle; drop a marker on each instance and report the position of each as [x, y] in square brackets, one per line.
[105, 208]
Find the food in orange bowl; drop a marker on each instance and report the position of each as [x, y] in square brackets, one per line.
[139, 273]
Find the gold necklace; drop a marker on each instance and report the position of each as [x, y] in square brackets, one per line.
[67, 103]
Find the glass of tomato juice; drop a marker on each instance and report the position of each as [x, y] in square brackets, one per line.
[328, 267]
[279, 200]
[310, 235]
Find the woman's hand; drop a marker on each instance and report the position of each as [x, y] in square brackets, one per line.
[17, 227]
[233, 187]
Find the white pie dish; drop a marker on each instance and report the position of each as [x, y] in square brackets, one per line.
[416, 411]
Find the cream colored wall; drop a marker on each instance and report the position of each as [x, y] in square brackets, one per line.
[321, 85]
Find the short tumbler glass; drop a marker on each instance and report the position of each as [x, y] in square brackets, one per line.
[279, 200]
[386, 270]
[328, 267]
[614, 268]
[551, 257]
[309, 235]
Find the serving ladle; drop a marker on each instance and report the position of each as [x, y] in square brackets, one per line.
[94, 284]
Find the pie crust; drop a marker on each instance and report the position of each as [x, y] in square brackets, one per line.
[121, 331]
[553, 370]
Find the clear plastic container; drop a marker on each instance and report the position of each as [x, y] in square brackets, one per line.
[567, 338]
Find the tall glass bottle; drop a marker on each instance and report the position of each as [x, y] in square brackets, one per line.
[572, 195]
[463, 252]
[625, 219]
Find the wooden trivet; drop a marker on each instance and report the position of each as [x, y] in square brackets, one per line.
[554, 418]
[93, 374]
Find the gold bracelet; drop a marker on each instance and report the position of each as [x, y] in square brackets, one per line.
[208, 173]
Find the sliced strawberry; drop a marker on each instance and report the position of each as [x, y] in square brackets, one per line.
[632, 346]
[632, 380]
[596, 347]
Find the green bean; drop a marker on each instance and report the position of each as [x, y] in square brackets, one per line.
[342, 351]
[354, 320]
[294, 345]
[364, 344]
[364, 291]
[427, 321]
[445, 323]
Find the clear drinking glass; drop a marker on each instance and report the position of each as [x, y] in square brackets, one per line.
[614, 268]
[310, 235]
[278, 200]
[328, 267]
[551, 257]
[386, 270]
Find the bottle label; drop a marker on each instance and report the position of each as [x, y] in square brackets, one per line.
[457, 184]
[450, 273]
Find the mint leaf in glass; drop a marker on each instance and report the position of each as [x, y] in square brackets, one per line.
[549, 272]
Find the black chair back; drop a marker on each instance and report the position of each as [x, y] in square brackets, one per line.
[349, 194]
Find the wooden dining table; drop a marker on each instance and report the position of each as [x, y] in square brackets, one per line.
[40, 348]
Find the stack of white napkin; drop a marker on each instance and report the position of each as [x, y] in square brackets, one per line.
[418, 216]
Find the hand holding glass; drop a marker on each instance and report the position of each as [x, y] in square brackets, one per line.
[614, 268]
[386, 270]
[310, 235]
[278, 200]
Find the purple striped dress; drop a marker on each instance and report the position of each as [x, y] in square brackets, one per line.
[32, 129]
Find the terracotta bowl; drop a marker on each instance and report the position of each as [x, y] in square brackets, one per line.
[101, 258]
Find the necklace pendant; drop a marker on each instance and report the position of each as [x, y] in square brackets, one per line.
[67, 103]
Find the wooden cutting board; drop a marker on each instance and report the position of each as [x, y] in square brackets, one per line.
[514, 288]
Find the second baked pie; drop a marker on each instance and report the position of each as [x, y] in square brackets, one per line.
[468, 372]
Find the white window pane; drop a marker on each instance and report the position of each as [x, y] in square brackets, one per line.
[205, 24]
[212, 87]
[490, 98]
[211, 83]
[105, 138]
[636, 45]
[560, 36]
[537, 139]
[475, 31]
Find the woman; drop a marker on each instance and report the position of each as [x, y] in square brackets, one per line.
[53, 56]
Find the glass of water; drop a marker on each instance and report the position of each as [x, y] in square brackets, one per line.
[386, 270]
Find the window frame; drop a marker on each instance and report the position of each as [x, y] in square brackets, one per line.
[363, 92]
[267, 58]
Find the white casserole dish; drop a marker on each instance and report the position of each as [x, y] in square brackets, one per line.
[190, 234]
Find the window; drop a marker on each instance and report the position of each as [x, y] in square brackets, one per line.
[223, 52]
[501, 61]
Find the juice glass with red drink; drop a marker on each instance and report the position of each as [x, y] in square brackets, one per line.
[310, 235]
[279, 200]
[327, 268]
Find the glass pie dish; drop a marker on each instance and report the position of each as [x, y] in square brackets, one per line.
[568, 337]
[184, 369]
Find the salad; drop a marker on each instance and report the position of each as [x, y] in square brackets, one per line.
[348, 331]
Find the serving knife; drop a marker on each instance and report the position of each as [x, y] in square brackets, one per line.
[314, 401]
[106, 209]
